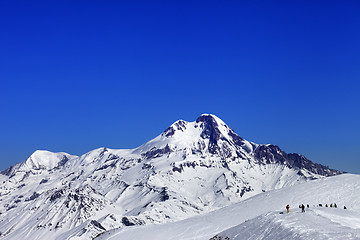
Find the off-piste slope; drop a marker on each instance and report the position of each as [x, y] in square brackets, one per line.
[259, 217]
[189, 169]
[316, 224]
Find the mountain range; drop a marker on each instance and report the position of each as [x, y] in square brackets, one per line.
[191, 168]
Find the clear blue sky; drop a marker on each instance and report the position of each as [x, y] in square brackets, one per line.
[78, 75]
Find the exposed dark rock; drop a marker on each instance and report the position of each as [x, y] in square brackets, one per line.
[8, 171]
[270, 154]
[180, 125]
[226, 151]
[127, 222]
[237, 140]
[190, 205]
[147, 166]
[111, 157]
[157, 152]
[57, 194]
[32, 197]
[299, 161]
[105, 166]
[245, 190]
[177, 169]
[102, 153]
[181, 166]
[43, 181]
[11, 207]
[97, 224]
[63, 161]
[169, 132]
[58, 225]
[164, 195]
[210, 131]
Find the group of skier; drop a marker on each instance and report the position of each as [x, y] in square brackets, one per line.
[331, 205]
[302, 206]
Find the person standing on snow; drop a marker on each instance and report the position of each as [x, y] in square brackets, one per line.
[287, 208]
[302, 208]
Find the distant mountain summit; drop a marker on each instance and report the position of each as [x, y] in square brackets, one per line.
[190, 168]
[39, 160]
[210, 136]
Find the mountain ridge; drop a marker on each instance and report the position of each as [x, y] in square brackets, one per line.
[189, 169]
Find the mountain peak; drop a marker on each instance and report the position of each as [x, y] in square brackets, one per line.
[207, 135]
[205, 117]
[179, 125]
[210, 136]
[40, 160]
[208, 122]
[46, 159]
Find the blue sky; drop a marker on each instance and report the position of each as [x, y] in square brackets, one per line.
[78, 76]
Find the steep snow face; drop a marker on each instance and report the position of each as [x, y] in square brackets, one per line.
[259, 217]
[207, 135]
[189, 169]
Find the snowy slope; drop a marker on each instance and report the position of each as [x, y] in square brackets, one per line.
[258, 217]
[191, 168]
[318, 224]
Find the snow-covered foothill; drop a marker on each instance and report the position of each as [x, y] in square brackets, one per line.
[264, 216]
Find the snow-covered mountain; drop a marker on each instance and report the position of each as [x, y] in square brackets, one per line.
[260, 218]
[191, 168]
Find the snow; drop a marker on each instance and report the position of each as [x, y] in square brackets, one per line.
[42, 159]
[314, 224]
[186, 136]
[60, 196]
[259, 217]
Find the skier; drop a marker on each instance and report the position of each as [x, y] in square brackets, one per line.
[326, 205]
[302, 208]
[335, 206]
[330, 204]
[287, 208]
[345, 207]
[307, 206]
